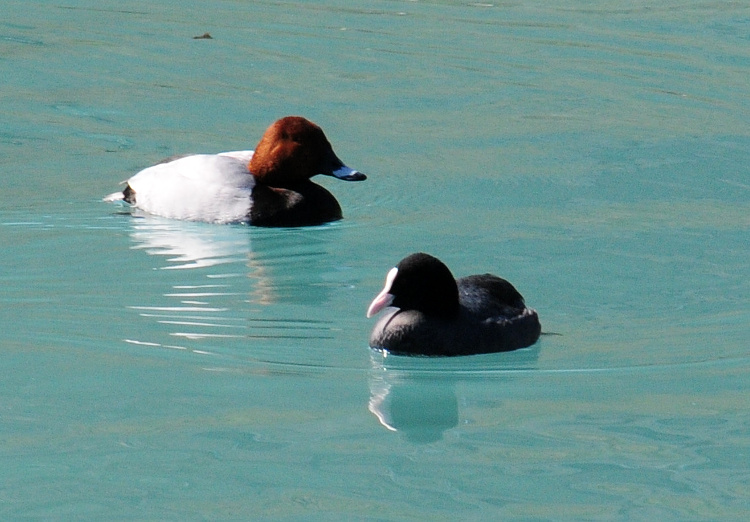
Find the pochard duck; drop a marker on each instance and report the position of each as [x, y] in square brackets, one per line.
[268, 187]
[437, 315]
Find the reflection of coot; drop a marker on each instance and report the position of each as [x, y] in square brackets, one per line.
[421, 406]
[422, 411]
[417, 396]
[440, 316]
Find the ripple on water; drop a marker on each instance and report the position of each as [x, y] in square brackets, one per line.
[267, 296]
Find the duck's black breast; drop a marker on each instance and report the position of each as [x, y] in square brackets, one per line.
[492, 318]
[304, 205]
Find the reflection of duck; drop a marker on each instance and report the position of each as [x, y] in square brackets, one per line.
[439, 315]
[197, 307]
[190, 245]
[220, 287]
[268, 187]
[272, 263]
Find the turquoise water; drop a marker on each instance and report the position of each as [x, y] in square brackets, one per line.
[594, 154]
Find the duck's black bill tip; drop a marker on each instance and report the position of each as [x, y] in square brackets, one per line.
[356, 176]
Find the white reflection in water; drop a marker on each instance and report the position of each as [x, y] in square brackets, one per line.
[190, 245]
[416, 396]
[216, 282]
[422, 407]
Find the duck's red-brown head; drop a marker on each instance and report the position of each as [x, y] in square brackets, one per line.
[294, 149]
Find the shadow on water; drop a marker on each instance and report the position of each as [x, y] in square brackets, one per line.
[417, 396]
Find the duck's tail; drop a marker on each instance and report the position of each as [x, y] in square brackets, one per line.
[115, 196]
[127, 195]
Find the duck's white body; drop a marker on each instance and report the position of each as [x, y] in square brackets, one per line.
[268, 187]
[216, 188]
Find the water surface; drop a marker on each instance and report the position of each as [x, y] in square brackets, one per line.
[595, 155]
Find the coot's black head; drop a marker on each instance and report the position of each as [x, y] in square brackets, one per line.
[419, 282]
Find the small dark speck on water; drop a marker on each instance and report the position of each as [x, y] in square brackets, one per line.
[204, 36]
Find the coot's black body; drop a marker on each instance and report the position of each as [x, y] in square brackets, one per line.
[438, 315]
